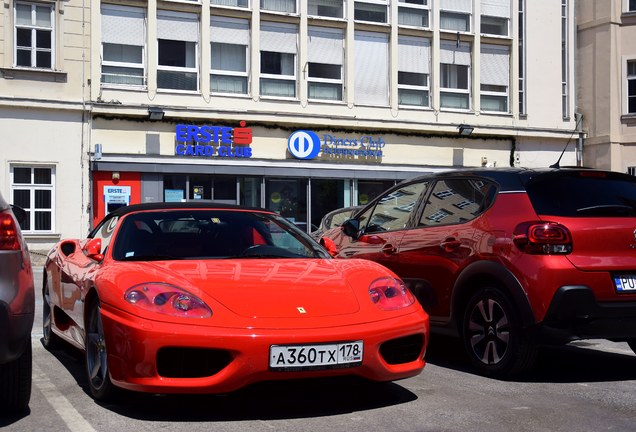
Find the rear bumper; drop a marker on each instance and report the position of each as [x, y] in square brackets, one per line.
[574, 313]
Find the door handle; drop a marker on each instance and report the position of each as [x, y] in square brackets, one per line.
[389, 249]
[450, 244]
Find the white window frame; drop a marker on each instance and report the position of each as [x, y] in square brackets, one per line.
[332, 81]
[454, 7]
[32, 187]
[565, 57]
[316, 3]
[383, 3]
[371, 73]
[427, 71]
[500, 52]
[629, 78]
[629, 6]
[222, 72]
[497, 10]
[453, 90]
[425, 6]
[264, 9]
[229, 3]
[280, 77]
[116, 64]
[181, 69]
[34, 27]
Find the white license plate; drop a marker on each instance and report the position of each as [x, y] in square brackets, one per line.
[320, 356]
[625, 283]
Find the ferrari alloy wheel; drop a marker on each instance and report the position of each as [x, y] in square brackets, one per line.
[49, 339]
[96, 355]
[493, 337]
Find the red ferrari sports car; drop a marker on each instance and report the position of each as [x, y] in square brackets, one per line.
[208, 298]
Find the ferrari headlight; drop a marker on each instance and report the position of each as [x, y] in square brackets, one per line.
[389, 293]
[167, 299]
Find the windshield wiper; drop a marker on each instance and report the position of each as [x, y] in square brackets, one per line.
[150, 258]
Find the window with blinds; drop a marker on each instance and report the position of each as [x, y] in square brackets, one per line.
[455, 15]
[231, 3]
[371, 68]
[123, 45]
[413, 13]
[455, 63]
[229, 44]
[178, 37]
[325, 58]
[33, 46]
[494, 77]
[287, 6]
[414, 57]
[279, 45]
[495, 17]
[326, 8]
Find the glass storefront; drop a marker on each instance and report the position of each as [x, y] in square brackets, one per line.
[297, 199]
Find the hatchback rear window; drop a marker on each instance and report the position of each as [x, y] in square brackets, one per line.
[583, 194]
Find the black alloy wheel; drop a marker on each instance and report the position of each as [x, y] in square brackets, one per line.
[49, 339]
[99, 382]
[493, 337]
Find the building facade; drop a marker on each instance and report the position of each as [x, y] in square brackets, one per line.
[606, 72]
[297, 106]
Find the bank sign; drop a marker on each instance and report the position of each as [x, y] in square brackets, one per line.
[305, 144]
[213, 141]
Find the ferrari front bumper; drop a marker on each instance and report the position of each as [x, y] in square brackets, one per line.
[238, 357]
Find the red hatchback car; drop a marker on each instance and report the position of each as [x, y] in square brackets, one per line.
[508, 259]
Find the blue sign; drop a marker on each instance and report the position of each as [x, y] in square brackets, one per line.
[304, 144]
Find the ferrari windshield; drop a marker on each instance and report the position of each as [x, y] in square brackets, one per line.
[201, 234]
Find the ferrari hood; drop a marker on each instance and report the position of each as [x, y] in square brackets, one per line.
[270, 288]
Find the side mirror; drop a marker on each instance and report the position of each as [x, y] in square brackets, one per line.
[19, 212]
[330, 245]
[93, 249]
[351, 227]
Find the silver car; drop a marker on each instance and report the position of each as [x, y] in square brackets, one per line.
[17, 304]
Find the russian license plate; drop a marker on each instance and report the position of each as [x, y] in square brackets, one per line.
[320, 356]
[625, 282]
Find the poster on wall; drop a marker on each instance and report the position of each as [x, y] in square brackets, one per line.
[197, 192]
[173, 195]
[115, 197]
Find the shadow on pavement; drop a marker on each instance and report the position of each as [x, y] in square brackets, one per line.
[579, 362]
[264, 401]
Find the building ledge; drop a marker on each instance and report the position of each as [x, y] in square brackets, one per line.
[34, 74]
[628, 18]
[629, 119]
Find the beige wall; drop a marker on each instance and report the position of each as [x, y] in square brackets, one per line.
[606, 36]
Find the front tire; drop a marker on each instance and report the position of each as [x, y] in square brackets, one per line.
[99, 381]
[49, 339]
[493, 336]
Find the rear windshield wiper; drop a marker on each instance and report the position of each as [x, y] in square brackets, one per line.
[607, 210]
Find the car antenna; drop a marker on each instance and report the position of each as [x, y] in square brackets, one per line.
[556, 164]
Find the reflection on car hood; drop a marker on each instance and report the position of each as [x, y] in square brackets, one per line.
[264, 288]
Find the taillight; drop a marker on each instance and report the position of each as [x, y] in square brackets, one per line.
[390, 294]
[543, 238]
[9, 234]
